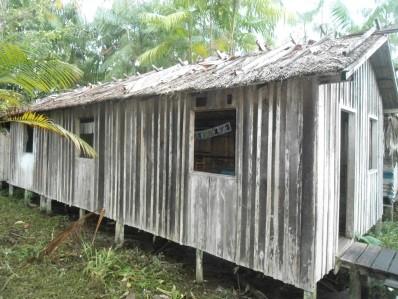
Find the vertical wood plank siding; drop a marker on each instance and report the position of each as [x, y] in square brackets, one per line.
[21, 163]
[4, 156]
[262, 218]
[361, 97]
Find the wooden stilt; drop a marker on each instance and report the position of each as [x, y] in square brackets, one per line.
[355, 283]
[26, 197]
[48, 206]
[119, 233]
[10, 190]
[199, 265]
[43, 203]
[82, 212]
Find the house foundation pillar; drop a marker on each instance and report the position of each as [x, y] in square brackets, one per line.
[119, 233]
[26, 197]
[43, 203]
[199, 266]
[10, 190]
[48, 206]
[355, 283]
[82, 212]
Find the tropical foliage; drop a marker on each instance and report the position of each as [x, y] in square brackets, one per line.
[23, 78]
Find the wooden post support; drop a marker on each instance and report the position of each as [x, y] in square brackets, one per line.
[43, 203]
[309, 294]
[48, 206]
[26, 197]
[199, 266]
[82, 212]
[10, 190]
[355, 283]
[119, 233]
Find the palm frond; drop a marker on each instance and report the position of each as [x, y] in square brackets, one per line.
[167, 22]
[154, 54]
[43, 122]
[341, 16]
[43, 76]
[11, 56]
[10, 98]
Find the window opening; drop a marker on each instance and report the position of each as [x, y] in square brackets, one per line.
[87, 132]
[201, 102]
[214, 148]
[29, 139]
[372, 144]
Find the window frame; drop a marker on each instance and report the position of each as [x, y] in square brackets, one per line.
[192, 132]
[372, 143]
[27, 130]
[85, 120]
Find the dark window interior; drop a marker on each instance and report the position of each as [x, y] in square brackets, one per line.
[87, 132]
[229, 99]
[29, 140]
[214, 149]
[201, 101]
[344, 148]
[372, 144]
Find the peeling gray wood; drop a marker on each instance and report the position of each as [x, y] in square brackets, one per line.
[362, 98]
[277, 215]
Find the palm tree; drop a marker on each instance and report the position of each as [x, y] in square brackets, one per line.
[189, 29]
[22, 79]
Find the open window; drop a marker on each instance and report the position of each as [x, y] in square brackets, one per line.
[372, 143]
[86, 130]
[214, 148]
[28, 139]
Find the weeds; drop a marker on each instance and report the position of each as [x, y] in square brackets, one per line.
[388, 234]
[82, 269]
[101, 263]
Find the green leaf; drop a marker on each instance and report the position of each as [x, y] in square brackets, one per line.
[370, 240]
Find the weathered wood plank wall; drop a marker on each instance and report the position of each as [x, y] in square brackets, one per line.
[265, 217]
[21, 163]
[361, 98]
[4, 156]
[261, 218]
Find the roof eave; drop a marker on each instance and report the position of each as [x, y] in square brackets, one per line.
[379, 55]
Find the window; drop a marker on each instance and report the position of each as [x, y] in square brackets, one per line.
[28, 140]
[372, 144]
[214, 148]
[87, 132]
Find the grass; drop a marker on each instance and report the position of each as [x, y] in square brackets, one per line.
[388, 234]
[79, 270]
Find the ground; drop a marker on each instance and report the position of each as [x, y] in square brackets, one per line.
[79, 270]
[141, 268]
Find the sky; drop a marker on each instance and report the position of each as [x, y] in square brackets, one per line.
[89, 7]
[283, 31]
[355, 7]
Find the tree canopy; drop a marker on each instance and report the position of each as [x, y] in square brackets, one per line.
[131, 36]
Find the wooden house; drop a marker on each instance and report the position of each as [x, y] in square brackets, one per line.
[268, 160]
